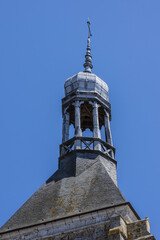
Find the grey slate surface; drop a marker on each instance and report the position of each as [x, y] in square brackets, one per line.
[86, 82]
[91, 189]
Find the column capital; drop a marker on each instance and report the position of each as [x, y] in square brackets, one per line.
[77, 103]
[106, 113]
[65, 109]
[94, 104]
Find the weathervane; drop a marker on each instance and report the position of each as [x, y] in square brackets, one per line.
[88, 58]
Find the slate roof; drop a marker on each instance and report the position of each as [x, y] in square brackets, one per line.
[91, 189]
[86, 82]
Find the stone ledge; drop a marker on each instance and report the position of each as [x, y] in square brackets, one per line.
[109, 209]
[114, 231]
[149, 237]
[138, 229]
[97, 152]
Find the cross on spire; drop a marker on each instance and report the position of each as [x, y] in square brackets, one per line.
[89, 33]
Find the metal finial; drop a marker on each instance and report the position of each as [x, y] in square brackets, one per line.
[89, 33]
[88, 58]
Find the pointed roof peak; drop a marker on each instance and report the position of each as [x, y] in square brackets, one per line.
[88, 58]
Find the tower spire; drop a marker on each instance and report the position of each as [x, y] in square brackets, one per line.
[88, 58]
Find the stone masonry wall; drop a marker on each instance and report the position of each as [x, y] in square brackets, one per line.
[97, 225]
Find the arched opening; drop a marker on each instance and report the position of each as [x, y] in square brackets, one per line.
[71, 111]
[86, 118]
[87, 124]
[103, 137]
[71, 131]
[101, 123]
[87, 133]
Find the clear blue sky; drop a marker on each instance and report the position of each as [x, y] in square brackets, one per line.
[43, 43]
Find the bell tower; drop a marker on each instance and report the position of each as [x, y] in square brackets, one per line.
[81, 200]
[86, 106]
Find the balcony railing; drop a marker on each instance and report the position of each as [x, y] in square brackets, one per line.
[86, 143]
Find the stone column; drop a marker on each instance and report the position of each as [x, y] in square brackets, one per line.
[108, 131]
[78, 131]
[107, 128]
[65, 133]
[96, 129]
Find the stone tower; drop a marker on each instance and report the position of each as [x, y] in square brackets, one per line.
[81, 200]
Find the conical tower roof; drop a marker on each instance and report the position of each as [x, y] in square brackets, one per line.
[66, 195]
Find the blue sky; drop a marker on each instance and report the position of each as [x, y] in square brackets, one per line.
[43, 43]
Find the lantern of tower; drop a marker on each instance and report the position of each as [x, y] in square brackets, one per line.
[86, 106]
